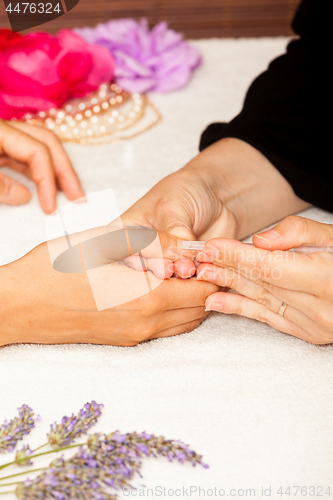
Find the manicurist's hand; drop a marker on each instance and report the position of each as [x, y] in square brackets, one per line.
[230, 189]
[290, 291]
[41, 305]
[38, 154]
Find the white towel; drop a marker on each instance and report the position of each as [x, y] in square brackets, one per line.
[256, 403]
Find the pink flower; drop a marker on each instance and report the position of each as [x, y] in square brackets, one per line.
[39, 71]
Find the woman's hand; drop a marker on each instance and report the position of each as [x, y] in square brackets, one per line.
[290, 291]
[230, 189]
[41, 305]
[38, 154]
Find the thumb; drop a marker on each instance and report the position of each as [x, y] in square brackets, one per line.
[12, 192]
[295, 231]
[176, 223]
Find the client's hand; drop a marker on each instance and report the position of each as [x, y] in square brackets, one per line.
[38, 154]
[290, 291]
[40, 305]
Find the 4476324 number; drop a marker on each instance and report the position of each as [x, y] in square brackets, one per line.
[33, 8]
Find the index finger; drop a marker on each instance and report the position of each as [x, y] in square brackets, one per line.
[289, 270]
[66, 176]
[35, 154]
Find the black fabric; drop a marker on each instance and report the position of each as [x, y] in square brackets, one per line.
[285, 113]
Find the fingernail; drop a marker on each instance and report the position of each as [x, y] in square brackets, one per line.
[268, 235]
[83, 199]
[202, 257]
[208, 253]
[207, 276]
[214, 306]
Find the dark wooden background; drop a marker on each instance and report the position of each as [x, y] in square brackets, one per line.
[195, 18]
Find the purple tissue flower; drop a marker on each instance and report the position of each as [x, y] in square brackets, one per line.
[158, 60]
[73, 427]
[13, 431]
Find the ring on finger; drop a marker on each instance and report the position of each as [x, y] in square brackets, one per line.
[283, 308]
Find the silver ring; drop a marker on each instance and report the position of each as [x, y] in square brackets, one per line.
[283, 308]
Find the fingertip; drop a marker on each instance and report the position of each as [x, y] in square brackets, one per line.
[266, 239]
[48, 203]
[18, 195]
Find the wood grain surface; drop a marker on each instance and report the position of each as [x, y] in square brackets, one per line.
[195, 18]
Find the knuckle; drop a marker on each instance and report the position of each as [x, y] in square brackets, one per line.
[323, 318]
[263, 297]
[298, 223]
[263, 270]
[262, 318]
[42, 151]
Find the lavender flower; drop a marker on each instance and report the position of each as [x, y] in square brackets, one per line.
[109, 461]
[73, 427]
[22, 456]
[13, 431]
[158, 60]
[150, 445]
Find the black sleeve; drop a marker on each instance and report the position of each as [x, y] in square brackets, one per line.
[284, 111]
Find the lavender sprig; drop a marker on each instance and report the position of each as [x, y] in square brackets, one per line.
[106, 461]
[13, 431]
[73, 427]
[103, 462]
[23, 455]
[151, 445]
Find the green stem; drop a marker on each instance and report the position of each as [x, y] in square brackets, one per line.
[7, 492]
[10, 484]
[39, 447]
[40, 454]
[21, 474]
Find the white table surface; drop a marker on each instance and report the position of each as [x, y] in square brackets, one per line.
[256, 403]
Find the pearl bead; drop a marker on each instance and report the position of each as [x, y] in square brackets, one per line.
[79, 116]
[96, 109]
[82, 106]
[88, 113]
[94, 119]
